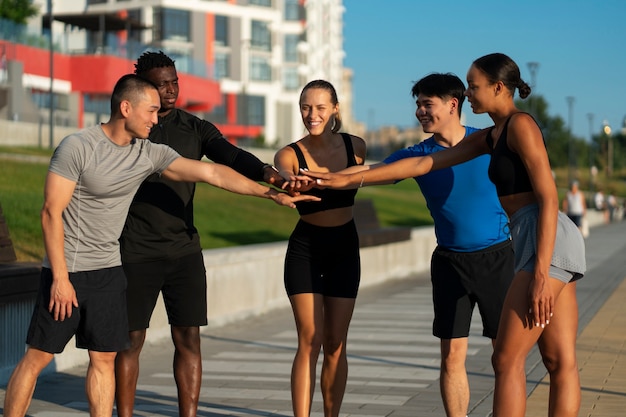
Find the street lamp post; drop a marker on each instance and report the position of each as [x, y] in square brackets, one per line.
[570, 142]
[592, 168]
[609, 165]
[51, 116]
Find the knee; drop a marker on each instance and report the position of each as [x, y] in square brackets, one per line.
[559, 363]
[334, 345]
[186, 339]
[310, 340]
[503, 362]
[453, 360]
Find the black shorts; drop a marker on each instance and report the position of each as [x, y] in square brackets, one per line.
[463, 279]
[99, 322]
[323, 260]
[183, 284]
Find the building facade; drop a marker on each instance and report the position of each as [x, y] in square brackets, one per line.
[242, 63]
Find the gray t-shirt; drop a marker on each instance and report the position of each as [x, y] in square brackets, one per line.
[107, 177]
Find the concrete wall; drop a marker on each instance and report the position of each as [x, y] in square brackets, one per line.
[247, 281]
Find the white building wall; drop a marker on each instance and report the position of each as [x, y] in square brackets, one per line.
[322, 53]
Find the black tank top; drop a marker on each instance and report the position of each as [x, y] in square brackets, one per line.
[331, 199]
[506, 169]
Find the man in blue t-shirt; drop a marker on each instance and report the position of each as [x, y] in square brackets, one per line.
[473, 261]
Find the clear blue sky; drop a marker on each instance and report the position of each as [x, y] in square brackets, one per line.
[580, 47]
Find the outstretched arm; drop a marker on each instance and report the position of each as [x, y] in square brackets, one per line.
[189, 170]
[471, 147]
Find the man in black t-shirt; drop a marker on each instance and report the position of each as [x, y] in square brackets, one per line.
[160, 246]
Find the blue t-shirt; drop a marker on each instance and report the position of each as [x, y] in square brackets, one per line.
[462, 200]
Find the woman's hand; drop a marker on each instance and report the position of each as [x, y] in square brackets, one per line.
[541, 301]
[328, 179]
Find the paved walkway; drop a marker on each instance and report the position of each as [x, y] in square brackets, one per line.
[394, 359]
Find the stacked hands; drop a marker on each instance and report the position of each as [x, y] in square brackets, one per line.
[295, 184]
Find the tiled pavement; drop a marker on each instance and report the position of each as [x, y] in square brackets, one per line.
[393, 357]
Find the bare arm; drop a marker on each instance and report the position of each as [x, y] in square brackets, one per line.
[525, 138]
[189, 170]
[471, 147]
[57, 195]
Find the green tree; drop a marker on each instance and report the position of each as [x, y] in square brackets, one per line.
[17, 11]
[556, 134]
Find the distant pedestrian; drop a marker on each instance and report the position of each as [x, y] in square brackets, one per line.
[574, 205]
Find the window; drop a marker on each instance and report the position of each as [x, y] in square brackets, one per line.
[222, 66]
[291, 48]
[292, 10]
[96, 1]
[261, 36]
[251, 110]
[290, 78]
[264, 3]
[260, 69]
[171, 24]
[221, 30]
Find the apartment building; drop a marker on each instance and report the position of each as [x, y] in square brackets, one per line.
[242, 63]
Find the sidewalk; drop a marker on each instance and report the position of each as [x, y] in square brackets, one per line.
[393, 357]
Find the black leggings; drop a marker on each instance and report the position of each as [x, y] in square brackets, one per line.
[323, 260]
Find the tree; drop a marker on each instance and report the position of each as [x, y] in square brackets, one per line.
[556, 134]
[18, 11]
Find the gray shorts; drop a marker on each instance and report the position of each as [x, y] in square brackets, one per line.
[569, 246]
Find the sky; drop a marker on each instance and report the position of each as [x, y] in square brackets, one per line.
[580, 46]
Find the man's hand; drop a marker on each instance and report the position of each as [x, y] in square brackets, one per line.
[62, 299]
[285, 199]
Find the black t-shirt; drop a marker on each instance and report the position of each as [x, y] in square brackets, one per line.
[160, 221]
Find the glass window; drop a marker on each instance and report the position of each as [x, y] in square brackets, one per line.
[221, 30]
[171, 24]
[292, 10]
[260, 69]
[222, 66]
[218, 113]
[95, 2]
[256, 107]
[264, 3]
[291, 48]
[290, 78]
[251, 110]
[261, 36]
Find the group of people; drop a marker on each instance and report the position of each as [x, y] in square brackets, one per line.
[502, 243]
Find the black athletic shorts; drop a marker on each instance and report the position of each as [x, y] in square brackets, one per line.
[99, 322]
[323, 260]
[183, 284]
[463, 279]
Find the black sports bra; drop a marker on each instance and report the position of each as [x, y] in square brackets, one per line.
[506, 169]
[331, 199]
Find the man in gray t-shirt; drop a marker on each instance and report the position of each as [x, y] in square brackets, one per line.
[91, 181]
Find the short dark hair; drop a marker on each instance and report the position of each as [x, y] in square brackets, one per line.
[444, 86]
[129, 87]
[150, 60]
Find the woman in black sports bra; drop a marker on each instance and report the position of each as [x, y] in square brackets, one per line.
[322, 264]
[549, 248]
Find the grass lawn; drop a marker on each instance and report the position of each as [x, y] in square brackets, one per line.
[222, 218]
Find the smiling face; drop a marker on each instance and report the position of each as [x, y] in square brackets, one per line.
[434, 114]
[317, 110]
[166, 81]
[479, 91]
[141, 113]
